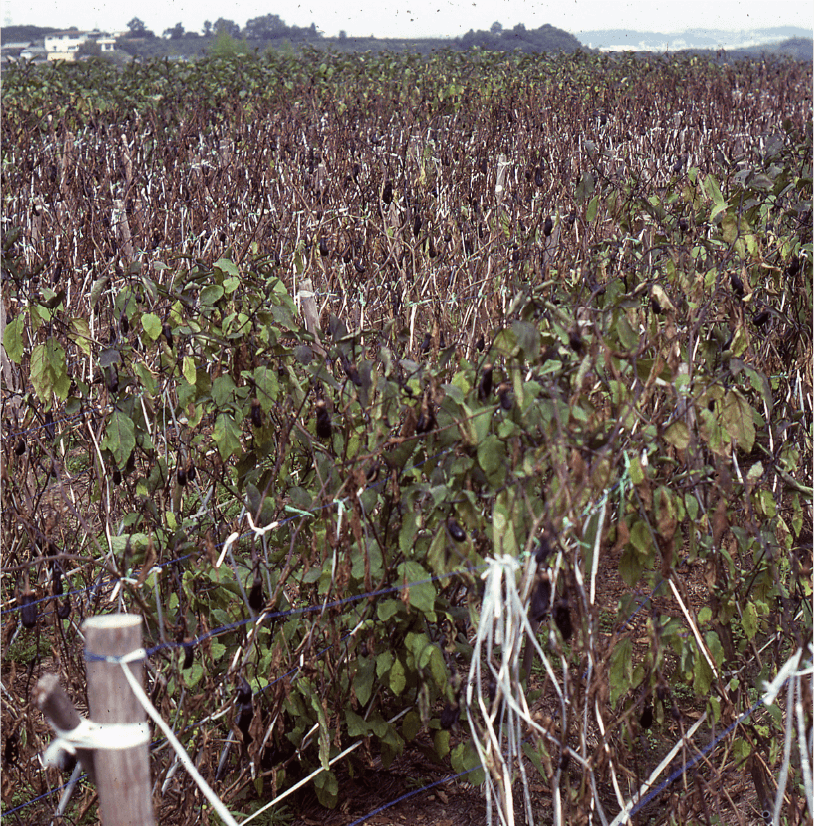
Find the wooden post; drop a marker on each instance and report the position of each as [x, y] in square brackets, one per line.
[122, 776]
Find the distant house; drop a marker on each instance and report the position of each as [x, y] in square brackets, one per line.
[65, 45]
[29, 50]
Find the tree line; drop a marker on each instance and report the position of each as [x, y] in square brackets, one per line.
[266, 27]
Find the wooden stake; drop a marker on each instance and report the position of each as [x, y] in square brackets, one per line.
[122, 776]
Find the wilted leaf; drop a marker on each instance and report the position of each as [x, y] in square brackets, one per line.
[109, 356]
[48, 371]
[678, 435]
[96, 290]
[737, 420]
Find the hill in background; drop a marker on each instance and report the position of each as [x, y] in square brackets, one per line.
[23, 34]
[691, 39]
[779, 41]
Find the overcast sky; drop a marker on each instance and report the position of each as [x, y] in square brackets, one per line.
[418, 18]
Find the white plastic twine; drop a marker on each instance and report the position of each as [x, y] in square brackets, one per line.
[90, 735]
[502, 624]
[233, 537]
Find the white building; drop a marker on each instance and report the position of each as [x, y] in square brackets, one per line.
[65, 45]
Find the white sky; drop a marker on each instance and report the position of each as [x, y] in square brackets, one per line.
[419, 18]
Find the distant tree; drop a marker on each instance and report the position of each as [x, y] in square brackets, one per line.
[225, 45]
[175, 33]
[496, 28]
[207, 28]
[266, 27]
[90, 48]
[343, 35]
[137, 27]
[227, 27]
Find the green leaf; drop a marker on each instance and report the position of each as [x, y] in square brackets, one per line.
[528, 339]
[357, 726]
[13, 338]
[585, 188]
[492, 459]
[80, 334]
[147, 378]
[590, 212]
[268, 387]
[438, 668]
[749, 620]
[363, 681]
[327, 789]
[152, 325]
[192, 676]
[621, 670]
[713, 190]
[384, 662]
[388, 609]
[324, 732]
[702, 674]
[630, 566]
[227, 266]
[407, 534]
[715, 647]
[755, 472]
[411, 725]
[109, 356]
[227, 436]
[422, 596]
[441, 742]
[189, 371]
[641, 539]
[398, 679]
[465, 758]
[211, 295]
[120, 437]
[636, 471]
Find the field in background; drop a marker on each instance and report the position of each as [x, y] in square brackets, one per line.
[418, 312]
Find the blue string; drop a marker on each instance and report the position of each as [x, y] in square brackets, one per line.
[687, 766]
[308, 609]
[413, 793]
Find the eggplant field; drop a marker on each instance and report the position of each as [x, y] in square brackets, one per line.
[446, 422]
